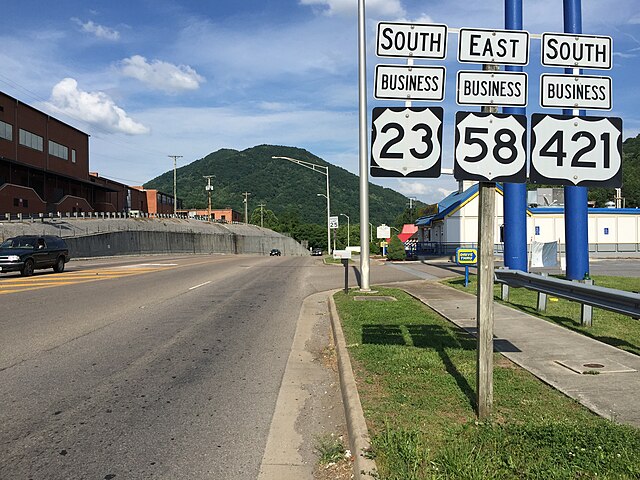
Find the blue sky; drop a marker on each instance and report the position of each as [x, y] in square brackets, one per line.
[148, 79]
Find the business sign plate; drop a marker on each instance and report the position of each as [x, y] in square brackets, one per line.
[487, 88]
[575, 92]
[409, 82]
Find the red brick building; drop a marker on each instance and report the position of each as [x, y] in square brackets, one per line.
[44, 168]
[218, 214]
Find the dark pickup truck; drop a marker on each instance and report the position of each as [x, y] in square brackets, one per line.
[27, 253]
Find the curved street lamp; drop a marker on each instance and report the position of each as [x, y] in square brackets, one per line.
[325, 171]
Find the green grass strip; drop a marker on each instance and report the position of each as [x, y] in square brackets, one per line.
[416, 378]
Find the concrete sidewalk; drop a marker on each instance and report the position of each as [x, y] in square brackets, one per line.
[556, 355]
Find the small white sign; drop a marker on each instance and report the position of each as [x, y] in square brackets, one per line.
[333, 222]
[412, 40]
[409, 82]
[487, 88]
[503, 47]
[490, 147]
[571, 50]
[575, 92]
[340, 254]
[569, 150]
[383, 231]
[406, 142]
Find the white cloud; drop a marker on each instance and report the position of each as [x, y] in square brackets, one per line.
[427, 193]
[99, 31]
[95, 108]
[162, 75]
[390, 8]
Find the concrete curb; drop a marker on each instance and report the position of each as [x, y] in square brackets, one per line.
[364, 468]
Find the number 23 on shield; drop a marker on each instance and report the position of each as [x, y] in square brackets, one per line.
[406, 142]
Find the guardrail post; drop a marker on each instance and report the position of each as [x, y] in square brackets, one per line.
[542, 300]
[7, 216]
[504, 292]
[19, 216]
[586, 315]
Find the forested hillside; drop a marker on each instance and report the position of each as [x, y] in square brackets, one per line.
[286, 189]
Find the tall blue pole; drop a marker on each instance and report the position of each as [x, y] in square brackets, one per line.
[515, 194]
[576, 215]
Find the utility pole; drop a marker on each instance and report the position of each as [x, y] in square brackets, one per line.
[262, 214]
[246, 204]
[484, 311]
[411, 216]
[175, 184]
[209, 188]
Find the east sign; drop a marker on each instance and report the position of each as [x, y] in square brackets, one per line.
[503, 47]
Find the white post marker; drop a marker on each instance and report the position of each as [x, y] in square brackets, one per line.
[383, 231]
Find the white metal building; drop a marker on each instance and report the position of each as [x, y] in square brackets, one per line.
[610, 230]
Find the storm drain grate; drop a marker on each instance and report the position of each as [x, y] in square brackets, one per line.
[374, 298]
[595, 367]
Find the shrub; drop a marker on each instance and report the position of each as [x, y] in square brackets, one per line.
[395, 250]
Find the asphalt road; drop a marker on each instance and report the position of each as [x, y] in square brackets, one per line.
[152, 367]
[155, 367]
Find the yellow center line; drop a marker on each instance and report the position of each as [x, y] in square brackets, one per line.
[73, 277]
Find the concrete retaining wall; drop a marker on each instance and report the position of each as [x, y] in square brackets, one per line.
[96, 238]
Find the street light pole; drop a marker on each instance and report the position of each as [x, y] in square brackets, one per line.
[246, 204]
[348, 229]
[328, 223]
[363, 147]
[175, 184]
[262, 205]
[325, 171]
[209, 188]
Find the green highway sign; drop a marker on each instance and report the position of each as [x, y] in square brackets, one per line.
[466, 256]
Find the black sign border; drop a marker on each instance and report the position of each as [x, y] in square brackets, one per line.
[494, 30]
[579, 76]
[460, 173]
[410, 67]
[487, 72]
[537, 178]
[573, 35]
[426, 57]
[434, 172]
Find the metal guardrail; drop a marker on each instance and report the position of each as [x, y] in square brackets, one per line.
[626, 303]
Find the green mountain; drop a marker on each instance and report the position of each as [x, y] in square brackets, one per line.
[287, 189]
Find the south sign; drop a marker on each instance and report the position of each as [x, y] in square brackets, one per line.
[576, 51]
[503, 47]
[412, 40]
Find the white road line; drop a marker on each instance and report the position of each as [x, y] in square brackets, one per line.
[141, 265]
[201, 285]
